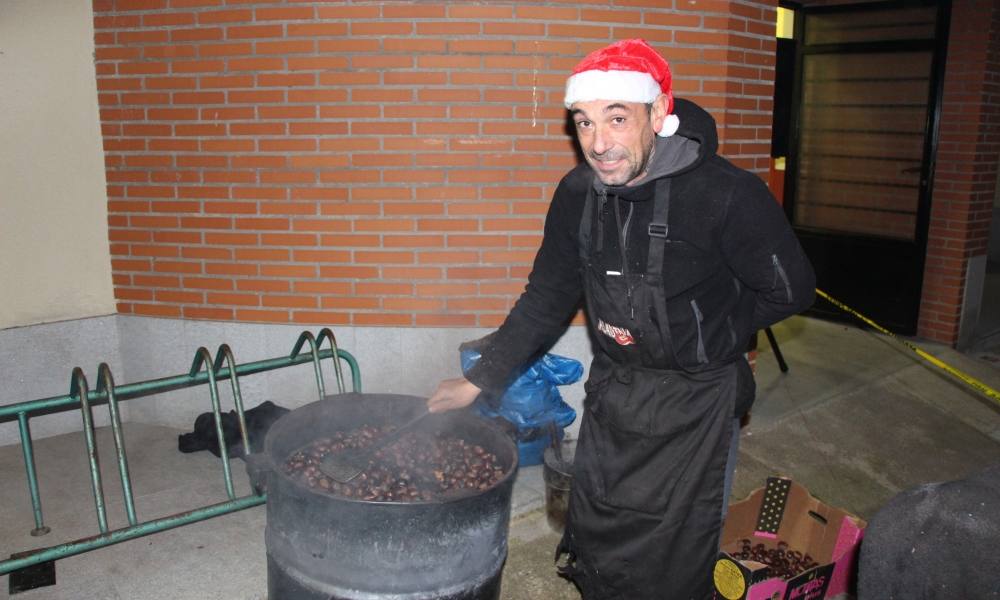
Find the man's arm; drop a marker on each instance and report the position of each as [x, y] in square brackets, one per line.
[761, 248]
[539, 316]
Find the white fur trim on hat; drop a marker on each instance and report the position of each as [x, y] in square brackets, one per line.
[630, 86]
[670, 125]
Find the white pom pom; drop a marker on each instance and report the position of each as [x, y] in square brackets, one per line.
[670, 125]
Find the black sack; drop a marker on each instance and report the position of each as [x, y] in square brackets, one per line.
[935, 541]
[259, 419]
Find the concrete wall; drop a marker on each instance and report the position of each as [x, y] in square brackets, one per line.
[392, 359]
[39, 360]
[55, 261]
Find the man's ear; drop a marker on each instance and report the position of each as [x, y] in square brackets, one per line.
[658, 112]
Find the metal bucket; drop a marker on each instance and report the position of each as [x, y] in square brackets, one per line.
[558, 475]
[321, 546]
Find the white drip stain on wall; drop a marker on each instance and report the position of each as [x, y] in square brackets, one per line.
[534, 86]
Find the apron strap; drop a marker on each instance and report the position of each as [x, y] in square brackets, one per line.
[585, 222]
[658, 231]
[602, 202]
[585, 234]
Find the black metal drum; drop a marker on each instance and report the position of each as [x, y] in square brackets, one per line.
[321, 546]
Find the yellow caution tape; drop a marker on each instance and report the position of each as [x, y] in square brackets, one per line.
[964, 377]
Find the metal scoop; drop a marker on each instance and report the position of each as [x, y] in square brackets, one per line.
[347, 464]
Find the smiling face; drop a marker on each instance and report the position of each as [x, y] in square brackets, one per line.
[617, 137]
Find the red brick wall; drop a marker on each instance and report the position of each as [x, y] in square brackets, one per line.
[966, 173]
[371, 163]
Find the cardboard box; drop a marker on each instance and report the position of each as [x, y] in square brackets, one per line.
[784, 511]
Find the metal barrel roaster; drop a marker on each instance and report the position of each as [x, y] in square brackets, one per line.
[322, 546]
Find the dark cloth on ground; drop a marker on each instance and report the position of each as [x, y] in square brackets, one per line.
[204, 437]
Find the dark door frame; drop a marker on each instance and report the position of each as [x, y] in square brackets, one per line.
[908, 315]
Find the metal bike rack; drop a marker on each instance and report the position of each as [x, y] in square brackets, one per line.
[204, 370]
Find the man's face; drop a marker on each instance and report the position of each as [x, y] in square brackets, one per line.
[617, 137]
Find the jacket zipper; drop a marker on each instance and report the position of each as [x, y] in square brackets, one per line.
[698, 318]
[780, 272]
[602, 199]
[622, 230]
[625, 228]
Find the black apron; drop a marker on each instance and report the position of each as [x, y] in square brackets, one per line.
[645, 509]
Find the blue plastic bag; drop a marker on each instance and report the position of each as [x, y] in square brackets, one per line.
[533, 403]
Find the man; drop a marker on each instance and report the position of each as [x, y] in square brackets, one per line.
[680, 257]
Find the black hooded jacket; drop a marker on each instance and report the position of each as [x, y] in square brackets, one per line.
[733, 266]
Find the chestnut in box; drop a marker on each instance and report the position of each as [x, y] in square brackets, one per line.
[784, 511]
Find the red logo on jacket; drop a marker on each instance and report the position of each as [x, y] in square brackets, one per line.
[621, 336]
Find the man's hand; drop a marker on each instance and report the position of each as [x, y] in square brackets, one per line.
[453, 393]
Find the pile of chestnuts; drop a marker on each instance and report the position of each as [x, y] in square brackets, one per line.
[418, 467]
[783, 562]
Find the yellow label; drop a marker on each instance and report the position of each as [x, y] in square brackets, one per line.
[729, 579]
[785, 26]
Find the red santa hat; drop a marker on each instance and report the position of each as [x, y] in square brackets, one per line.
[629, 70]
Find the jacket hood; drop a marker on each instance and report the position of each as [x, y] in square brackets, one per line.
[695, 142]
[698, 125]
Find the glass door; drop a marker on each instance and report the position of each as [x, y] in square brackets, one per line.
[858, 178]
